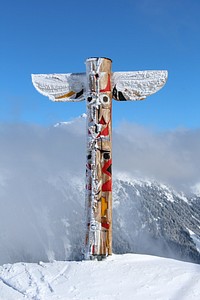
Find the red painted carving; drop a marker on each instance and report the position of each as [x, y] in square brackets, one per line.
[107, 186]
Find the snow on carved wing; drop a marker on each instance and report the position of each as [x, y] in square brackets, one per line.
[137, 85]
[61, 87]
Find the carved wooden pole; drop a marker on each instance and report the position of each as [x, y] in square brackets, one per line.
[99, 158]
[98, 86]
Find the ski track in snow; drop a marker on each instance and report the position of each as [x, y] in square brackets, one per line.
[130, 277]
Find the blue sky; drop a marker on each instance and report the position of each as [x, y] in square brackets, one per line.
[57, 37]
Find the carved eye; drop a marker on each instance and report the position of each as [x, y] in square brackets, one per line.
[89, 156]
[91, 100]
[105, 99]
[106, 155]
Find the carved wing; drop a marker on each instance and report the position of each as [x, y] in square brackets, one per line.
[61, 87]
[137, 85]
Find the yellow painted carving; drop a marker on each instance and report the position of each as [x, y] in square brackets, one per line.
[66, 95]
[104, 206]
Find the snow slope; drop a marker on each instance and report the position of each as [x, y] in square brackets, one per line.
[130, 277]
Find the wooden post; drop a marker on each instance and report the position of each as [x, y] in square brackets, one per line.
[99, 158]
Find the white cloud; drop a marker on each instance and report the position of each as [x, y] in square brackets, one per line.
[171, 157]
[29, 152]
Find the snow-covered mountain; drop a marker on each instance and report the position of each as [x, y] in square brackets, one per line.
[152, 218]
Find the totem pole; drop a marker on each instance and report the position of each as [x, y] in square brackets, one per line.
[98, 86]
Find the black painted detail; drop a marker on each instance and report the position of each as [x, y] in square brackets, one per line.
[121, 96]
[105, 99]
[79, 94]
[109, 169]
[106, 155]
[96, 128]
[118, 95]
[89, 99]
[115, 92]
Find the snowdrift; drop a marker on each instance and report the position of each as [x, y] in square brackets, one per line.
[129, 277]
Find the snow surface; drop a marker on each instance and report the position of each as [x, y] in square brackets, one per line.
[195, 239]
[130, 277]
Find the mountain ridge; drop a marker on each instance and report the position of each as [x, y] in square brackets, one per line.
[162, 220]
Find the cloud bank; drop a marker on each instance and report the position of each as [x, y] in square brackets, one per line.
[170, 157]
[29, 152]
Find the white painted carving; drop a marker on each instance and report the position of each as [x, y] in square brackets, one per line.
[58, 86]
[132, 85]
[139, 84]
